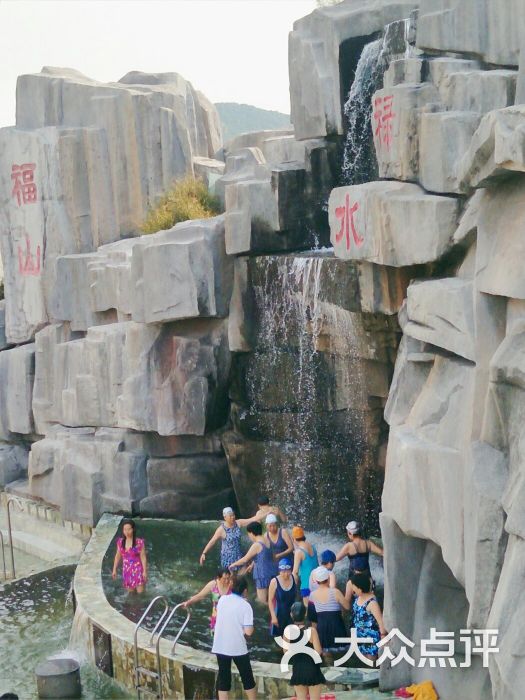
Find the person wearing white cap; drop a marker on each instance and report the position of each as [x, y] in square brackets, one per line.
[278, 538]
[324, 608]
[358, 550]
[229, 532]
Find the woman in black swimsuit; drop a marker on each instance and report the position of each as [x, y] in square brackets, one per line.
[358, 549]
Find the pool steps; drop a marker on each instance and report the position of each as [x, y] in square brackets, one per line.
[39, 530]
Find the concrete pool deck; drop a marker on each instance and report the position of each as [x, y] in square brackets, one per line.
[106, 637]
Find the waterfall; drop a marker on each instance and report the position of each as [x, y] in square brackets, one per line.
[359, 162]
[80, 637]
[313, 456]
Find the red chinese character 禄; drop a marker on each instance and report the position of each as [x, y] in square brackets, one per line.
[346, 214]
[24, 187]
[383, 117]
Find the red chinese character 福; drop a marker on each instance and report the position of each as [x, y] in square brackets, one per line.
[24, 188]
[346, 214]
[383, 116]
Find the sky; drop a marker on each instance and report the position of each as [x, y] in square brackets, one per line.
[232, 50]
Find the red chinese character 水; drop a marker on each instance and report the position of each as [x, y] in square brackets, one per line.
[346, 214]
[383, 116]
[24, 187]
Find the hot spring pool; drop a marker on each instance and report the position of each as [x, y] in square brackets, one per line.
[36, 614]
[173, 549]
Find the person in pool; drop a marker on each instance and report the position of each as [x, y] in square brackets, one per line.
[367, 617]
[219, 586]
[281, 596]
[229, 533]
[278, 538]
[304, 561]
[132, 552]
[264, 508]
[327, 559]
[358, 550]
[264, 566]
[325, 610]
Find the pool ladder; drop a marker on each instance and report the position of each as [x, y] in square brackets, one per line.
[154, 640]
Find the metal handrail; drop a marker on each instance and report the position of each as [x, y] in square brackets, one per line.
[159, 637]
[18, 503]
[136, 632]
[3, 554]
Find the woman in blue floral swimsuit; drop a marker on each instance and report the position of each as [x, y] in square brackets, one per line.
[229, 533]
[367, 617]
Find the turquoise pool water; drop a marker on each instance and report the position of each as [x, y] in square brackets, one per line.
[35, 622]
[173, 549]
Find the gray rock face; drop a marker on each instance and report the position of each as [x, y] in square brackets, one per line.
[277, 207]
[13, 463]
[391, 223]
[166, 276]
[487, 29]
[321, 45]
[87, 471]
[162, 378]
[17, 370]
[440, 312]
[154, 124]
[497, 149]
[56, 198]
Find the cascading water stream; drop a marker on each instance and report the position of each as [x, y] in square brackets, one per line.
[359, 160]
[359, 163]
[324, 441]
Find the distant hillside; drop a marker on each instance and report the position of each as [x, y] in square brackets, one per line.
[238, 119]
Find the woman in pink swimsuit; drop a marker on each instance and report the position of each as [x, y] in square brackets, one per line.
[132, 551]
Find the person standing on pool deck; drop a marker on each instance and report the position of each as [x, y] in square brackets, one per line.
[264, 508]
[234, 624]
[278, 538]
[132, 551]
[229, 531]
[281, 596]
[358, 550]
[307, 677]
[304, 562]
[261, 553]
[221, 585]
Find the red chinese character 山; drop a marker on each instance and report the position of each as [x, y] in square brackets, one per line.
[383, 116]
[27, 264]
[24, 187]
[346, 215]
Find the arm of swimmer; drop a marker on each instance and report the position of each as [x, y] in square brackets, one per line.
[250, 554]
[374, 608]
[214, 538]
[375, 549]
[341, 554]
[203, 593]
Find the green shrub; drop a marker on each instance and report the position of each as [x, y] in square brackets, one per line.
[188, 199]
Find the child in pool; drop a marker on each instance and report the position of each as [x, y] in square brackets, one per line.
[132, 552]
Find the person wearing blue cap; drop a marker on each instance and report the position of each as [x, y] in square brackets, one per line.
[282, 594]
[327, 559]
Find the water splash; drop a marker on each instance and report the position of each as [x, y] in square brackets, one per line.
[308, 362]
[359, 161]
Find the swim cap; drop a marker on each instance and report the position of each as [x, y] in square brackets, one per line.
[285, 564]
[321, 574]
[227, 511]
[353, 527]
[270, 519]
[327, 557]
[297, 532]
